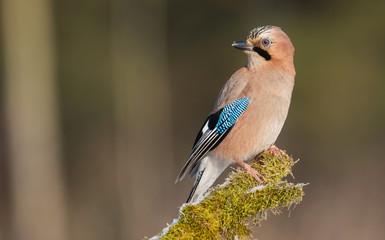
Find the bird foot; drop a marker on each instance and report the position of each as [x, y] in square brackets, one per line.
[251, 171]
[274, 150]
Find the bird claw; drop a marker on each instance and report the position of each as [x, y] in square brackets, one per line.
[274, 150]
[251, 171]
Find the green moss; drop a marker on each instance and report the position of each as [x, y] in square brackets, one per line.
[227, 210]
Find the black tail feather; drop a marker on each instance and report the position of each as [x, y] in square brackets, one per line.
[196, 183]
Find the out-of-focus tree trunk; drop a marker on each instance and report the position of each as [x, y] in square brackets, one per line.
[142, 113]
[38, 195]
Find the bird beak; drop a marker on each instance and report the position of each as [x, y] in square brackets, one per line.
[241, 45]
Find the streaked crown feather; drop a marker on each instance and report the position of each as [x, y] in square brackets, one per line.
[257, 31]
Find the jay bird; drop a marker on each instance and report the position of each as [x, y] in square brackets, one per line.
[249, 112]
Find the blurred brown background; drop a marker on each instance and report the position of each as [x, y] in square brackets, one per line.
[101, 101]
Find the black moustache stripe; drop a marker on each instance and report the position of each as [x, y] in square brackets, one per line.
[262, 53]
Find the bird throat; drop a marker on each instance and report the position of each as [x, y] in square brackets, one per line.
[262, 53]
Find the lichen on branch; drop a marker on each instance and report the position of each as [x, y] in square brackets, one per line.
[225, 211]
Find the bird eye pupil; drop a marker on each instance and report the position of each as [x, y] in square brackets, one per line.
[265, 42]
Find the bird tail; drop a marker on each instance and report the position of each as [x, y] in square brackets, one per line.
[209, 170]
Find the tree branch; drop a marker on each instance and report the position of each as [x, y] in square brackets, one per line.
[225, 211]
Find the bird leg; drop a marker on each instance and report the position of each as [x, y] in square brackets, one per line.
[274, 150]
[251, 171]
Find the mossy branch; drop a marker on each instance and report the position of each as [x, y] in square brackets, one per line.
[225, 212]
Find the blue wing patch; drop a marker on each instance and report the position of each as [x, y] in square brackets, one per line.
[230, 114]
[213, 131]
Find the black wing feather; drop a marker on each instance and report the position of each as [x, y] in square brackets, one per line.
[204, 142]
[213, 131]
[212, 119]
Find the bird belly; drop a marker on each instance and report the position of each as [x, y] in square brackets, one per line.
[255, 131]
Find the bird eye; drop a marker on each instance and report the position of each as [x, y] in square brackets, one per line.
[265, 42]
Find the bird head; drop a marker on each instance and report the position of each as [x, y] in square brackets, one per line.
[267, 45]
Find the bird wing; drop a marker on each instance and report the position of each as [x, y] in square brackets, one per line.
[213, 131]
